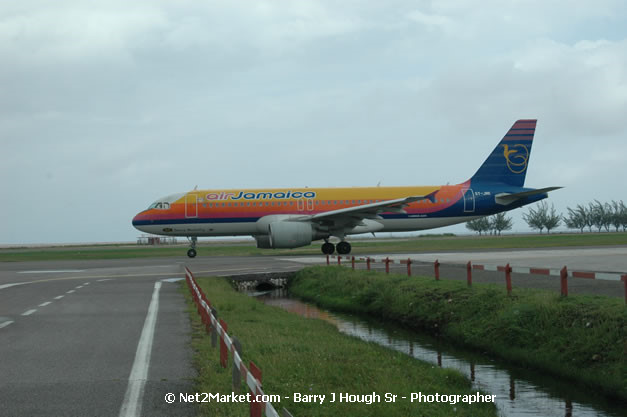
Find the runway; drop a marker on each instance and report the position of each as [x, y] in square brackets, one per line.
[70, 332]
[73, 332]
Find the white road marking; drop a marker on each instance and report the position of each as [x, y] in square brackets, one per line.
[70, 291]
[58, 297]
[5, 324]
[29, 312]
[172, 279]
[87, 283]
[132, 404]
[101, 280]
[45, 304]
[51, 271]
[80, 286]
[3, 286]
[209, 271]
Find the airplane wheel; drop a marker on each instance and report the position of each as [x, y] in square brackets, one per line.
[343, 248]
[191, 253]
[328, 248]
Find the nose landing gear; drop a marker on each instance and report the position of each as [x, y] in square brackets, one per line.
[192, 251]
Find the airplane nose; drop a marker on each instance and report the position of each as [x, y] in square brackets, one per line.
[138, 221]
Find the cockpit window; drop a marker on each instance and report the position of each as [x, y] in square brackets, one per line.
[160, 206]
[164, 202]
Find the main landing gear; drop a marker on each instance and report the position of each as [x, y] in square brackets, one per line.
[328, 248]
[343, 248]
[192, 251]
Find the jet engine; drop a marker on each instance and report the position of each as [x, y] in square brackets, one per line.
[290, 234]
[286, 235]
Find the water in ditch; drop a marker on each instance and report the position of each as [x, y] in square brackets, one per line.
[519, 392]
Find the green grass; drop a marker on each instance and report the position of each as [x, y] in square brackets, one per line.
[583, 338]
[310, 356]
[408, 245]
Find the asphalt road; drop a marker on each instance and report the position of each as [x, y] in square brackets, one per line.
[81, 338]
[70, 331]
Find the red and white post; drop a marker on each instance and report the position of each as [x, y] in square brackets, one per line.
[508, 279]
[564, 282]
[469, 274]
[436, 268]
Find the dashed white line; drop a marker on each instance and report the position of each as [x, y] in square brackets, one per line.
[132, 404]
[29, 312]
[70, 291]
[86, 283]
[80, 286]
[5, 324]
[45, 304]
[58, 297]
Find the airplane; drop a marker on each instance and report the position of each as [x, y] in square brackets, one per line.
[281, 218]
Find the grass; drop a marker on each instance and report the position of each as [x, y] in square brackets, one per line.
[408, 245]
[309, 356]
[583, 338]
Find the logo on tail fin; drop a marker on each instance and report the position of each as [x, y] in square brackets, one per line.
[516, 157]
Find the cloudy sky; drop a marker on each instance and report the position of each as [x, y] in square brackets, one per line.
[106, 106]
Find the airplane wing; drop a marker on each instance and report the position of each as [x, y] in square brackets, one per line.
[506, 198]
[350, 216]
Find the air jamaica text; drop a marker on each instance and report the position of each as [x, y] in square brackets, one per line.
[264, 195]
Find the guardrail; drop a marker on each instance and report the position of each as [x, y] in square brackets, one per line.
[507, 269]
[217, 327]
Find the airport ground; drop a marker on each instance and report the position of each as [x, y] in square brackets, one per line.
[71, 330]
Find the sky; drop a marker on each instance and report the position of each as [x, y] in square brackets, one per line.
[105, 106]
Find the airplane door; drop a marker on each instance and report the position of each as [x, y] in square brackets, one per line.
[191, 205]
[310, 204]
[469, 201]
[301, 204]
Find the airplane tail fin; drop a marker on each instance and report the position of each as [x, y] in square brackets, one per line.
[507, 164]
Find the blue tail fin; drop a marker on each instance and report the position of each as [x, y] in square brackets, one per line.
[507, 164]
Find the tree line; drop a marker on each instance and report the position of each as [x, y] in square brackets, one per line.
[494, 224]
[599, 215]
[595, 214]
